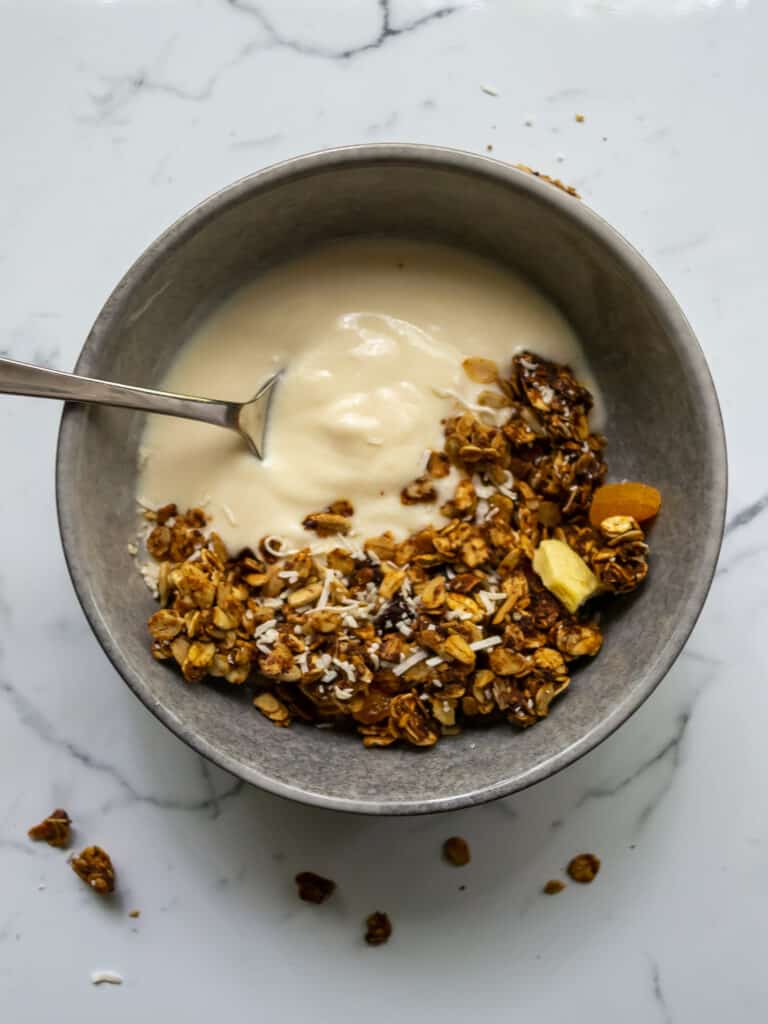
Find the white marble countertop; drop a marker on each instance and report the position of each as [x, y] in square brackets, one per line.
[116, 117]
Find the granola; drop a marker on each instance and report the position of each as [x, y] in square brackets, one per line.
[456, 851]
[584, 868]
[54, 830]
[458, 624]
[314, 888]
[95, 868]
[378, 928]
[553, 887]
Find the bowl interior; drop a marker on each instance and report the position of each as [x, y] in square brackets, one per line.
[662, 423]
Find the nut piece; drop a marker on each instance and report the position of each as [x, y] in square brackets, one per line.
[53, 830]
[564, 573]
[378, 928]
[94, 866]
[314, 888]
[584, 868]
[456, 851]
[553, 887]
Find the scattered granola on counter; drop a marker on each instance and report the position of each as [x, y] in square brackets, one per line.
[456, 851]
[134, 913]
[584, 868]
[476, 618]
[95, 868]
[378, 928]
[54, 830]
[314, 888]
[553, 887]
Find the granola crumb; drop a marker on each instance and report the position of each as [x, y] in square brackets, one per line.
[378, 928]
[134, 913]
[489, 148]
[94, 866]
[580, 118]
[314, 888]
[584, 868]
[553, 887]
[53, 830]
[569, 189]
[456, 851]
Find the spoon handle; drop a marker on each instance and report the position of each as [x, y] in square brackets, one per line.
[39, 382]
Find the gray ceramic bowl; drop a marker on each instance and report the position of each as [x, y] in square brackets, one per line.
[663, 424]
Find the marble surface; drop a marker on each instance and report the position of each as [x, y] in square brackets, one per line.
[116, 117]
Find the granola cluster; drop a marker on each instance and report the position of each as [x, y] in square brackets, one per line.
[413, 640]
[95, 868]
[54, 830]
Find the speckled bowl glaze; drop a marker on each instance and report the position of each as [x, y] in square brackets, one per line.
[663, 424]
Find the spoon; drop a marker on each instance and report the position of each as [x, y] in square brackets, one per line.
[248, 419]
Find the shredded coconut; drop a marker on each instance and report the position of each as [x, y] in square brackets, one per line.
[409, 662]
[108, 977]
[484, 644]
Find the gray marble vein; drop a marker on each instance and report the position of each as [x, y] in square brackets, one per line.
[727, 565]
[385, 33]
[669, 752]
[120, 91]
[28, 849]
[44, 730]
[658, 993]
[257, 142]
[747, 515]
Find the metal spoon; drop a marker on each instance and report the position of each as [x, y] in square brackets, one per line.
[249, 419]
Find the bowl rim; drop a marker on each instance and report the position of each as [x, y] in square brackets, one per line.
[588, 221]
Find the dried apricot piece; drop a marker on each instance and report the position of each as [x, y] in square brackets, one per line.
[641, 501]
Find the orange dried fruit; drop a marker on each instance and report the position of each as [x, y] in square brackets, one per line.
[641, 501]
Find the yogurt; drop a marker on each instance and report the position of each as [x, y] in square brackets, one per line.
[370, 335]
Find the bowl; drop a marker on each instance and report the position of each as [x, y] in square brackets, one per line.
[663, 424]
